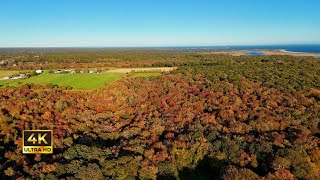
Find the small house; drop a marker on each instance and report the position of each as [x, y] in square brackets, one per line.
[58, 72]
[39, 71]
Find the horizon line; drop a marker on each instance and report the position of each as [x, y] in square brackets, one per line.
[170, 46]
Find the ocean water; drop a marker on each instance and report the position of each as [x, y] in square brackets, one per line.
[303, 48]
[286, 48]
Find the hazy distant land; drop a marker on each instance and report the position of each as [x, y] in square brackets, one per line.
[265, 52]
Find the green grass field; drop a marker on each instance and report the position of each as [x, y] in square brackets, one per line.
[76, 81]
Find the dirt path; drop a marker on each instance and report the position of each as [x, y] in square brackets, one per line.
[128, 70]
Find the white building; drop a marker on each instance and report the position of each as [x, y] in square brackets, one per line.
[58, 71]
[39, 71]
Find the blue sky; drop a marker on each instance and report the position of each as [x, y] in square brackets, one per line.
[114, 23]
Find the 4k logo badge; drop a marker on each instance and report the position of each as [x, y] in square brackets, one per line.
[37, 142]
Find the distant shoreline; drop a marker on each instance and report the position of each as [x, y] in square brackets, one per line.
[293, 48]
[265, 52]
[236, 50]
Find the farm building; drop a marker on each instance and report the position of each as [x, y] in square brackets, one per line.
[39, 71]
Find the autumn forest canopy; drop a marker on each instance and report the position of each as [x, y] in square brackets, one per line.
[214, 117]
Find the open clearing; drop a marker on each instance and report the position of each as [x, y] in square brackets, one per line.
[76, 81]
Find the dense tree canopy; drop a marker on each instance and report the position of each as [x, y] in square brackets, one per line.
[225, 117]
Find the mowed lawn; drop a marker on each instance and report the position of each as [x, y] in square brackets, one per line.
[77, 81]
